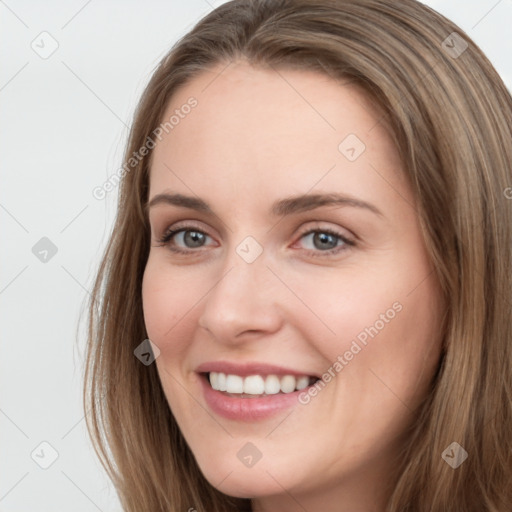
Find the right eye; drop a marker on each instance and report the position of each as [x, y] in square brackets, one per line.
[188, 237]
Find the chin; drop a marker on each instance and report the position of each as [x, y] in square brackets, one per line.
[234, 479]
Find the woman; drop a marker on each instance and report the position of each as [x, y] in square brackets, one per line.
[314, 231]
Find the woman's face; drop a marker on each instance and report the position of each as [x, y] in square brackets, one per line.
[275, 280]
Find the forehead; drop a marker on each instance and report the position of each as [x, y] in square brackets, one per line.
[274, 130]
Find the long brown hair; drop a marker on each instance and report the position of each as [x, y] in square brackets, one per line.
[451, 117]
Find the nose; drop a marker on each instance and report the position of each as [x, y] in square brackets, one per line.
[242, 303]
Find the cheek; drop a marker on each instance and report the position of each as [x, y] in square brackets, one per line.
[414, 350]
[168, 315]
[343, 305]
[384, 323]
[167, 307]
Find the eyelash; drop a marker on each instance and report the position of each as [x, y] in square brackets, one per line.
[169, 234]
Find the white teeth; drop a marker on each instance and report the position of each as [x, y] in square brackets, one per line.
[257, 384]
[221, 381]
[214, 380]
[234, 384]
[302, 382]
[288, 383]
[254, 385]
[272, 385]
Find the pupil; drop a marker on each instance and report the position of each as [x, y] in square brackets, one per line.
[195, 238]
[323, 238]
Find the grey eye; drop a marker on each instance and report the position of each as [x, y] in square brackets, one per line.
[191, 238]
[322, 240]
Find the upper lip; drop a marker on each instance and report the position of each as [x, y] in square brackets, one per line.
[246, 369]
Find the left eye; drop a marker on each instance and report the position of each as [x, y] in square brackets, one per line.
[326, 241]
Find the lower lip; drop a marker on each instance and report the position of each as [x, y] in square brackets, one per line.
[247, 409]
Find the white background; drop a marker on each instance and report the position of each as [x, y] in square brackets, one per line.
[64, 122]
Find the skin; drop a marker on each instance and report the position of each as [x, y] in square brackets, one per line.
[257, 136]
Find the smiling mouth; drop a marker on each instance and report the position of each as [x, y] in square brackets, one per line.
[257, 386]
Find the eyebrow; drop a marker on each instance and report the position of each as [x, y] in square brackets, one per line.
[280, 208]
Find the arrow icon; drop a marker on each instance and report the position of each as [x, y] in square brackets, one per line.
[44, 250]
[454, 45]
[44, 455]
[147, 352]
[351, 147]
[454, 455]
[249, 455]
[249, 249]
